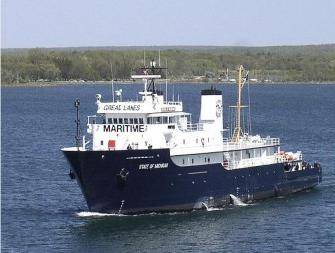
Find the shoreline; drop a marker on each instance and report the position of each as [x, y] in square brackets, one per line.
[122, 82]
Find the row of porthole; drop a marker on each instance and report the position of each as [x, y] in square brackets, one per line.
[267, 173]
[193, 182]
[192, 160]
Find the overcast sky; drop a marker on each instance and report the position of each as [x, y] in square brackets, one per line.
[71, 23]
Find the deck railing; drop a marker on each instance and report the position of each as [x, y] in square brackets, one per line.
[251, 143]
[172, 103]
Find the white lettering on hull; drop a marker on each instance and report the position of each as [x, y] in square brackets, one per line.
[149, 166]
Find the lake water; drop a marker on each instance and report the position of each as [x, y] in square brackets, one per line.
[44, 211]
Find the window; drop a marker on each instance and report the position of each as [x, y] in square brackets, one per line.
[131, 121]
[136, 121]
[104, 121]
[183, 161]
[125, 120]
[246, 154]
[183, 141]
[172, 119]
[270, 150]
[237, 155]
[140, 120]
[115, 121]
[120, 121]
[110, 121]
[101, 143]
[157, 120]
[209, 159]
[165, 120]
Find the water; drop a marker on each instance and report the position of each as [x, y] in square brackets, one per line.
[43, 211]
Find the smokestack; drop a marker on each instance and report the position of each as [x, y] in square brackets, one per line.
[211, 108]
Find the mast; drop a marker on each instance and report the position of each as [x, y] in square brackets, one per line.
[240, 83]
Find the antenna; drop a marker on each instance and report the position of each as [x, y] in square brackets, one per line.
[166, 89]
[77, 105]
[144, 58]
[249, 112]
[173, 92]
[159, 57]
[112, 82]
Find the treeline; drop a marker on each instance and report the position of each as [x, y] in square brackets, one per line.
[279, 64]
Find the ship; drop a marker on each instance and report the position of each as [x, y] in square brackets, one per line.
[148, 156]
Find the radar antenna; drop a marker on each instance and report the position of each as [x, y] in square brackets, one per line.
[152, 70]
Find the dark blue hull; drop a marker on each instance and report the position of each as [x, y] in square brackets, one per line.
[112, 182]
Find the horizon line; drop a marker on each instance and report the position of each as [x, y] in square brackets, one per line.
[176, 46]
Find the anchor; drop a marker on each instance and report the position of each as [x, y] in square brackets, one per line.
[122, 177]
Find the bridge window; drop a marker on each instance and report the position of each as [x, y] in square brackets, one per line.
[270, 151]
[237, 155]
[131, 121]
[140, 120]
[172, 119]
[165, 120]
[115, 121]
[246, 154]
[120, 121]
[110, 121]
[136, 121]
[257, 152]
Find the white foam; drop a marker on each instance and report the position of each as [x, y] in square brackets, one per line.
[210, 209]
[96, 214]
[237, 201]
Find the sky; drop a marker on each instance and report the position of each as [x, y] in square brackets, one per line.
[74, 23]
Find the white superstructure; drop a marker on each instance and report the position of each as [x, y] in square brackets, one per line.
[154, 123]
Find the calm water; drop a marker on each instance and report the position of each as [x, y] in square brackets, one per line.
[40, 205]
